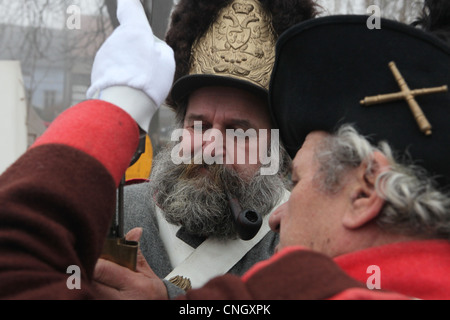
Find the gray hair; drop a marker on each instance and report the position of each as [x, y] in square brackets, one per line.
[413, 204]
[198, 202]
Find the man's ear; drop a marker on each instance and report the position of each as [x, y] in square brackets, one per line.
[366, 203]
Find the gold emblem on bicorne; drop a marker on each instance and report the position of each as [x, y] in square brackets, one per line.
[239, 44]
[409, 95]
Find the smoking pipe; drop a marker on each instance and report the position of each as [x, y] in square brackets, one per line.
[247, 222]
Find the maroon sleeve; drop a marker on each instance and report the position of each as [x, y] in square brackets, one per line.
[293, 274]
[57, 200]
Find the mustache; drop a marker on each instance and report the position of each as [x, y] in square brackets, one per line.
[219, 178]
[195, 195]
[217, 174]
[191, 171]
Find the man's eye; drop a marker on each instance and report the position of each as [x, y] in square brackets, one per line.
[293, 183]
[290, 185]
[200, 128]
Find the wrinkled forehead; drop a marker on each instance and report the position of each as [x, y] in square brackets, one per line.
[227, 104]
[312, 142]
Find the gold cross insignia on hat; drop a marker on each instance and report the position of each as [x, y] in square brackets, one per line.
[409, 95]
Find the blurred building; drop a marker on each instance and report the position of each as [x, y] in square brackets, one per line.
[56, 65]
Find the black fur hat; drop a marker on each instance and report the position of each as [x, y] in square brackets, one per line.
[435, 18]
[191, 19]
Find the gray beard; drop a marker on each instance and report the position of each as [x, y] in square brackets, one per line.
[197, 201]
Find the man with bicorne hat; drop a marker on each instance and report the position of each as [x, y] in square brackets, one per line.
[364, 113]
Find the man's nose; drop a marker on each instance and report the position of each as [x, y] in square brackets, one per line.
[275, 217]
[213, 143]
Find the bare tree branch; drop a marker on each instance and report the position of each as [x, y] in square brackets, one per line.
[111, 6]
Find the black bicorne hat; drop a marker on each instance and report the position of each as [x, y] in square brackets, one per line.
[330, 70]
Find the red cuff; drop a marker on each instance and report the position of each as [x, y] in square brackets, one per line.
[100, 129]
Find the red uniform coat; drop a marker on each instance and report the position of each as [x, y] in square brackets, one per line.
[57, 200]
[408, 270]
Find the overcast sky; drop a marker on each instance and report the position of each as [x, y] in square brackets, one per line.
[330, 6]
[9, 10]
[15, 11]
[20, 12]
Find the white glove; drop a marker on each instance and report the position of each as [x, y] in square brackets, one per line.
[133, 69]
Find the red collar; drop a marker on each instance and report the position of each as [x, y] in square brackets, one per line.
[419, 269]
